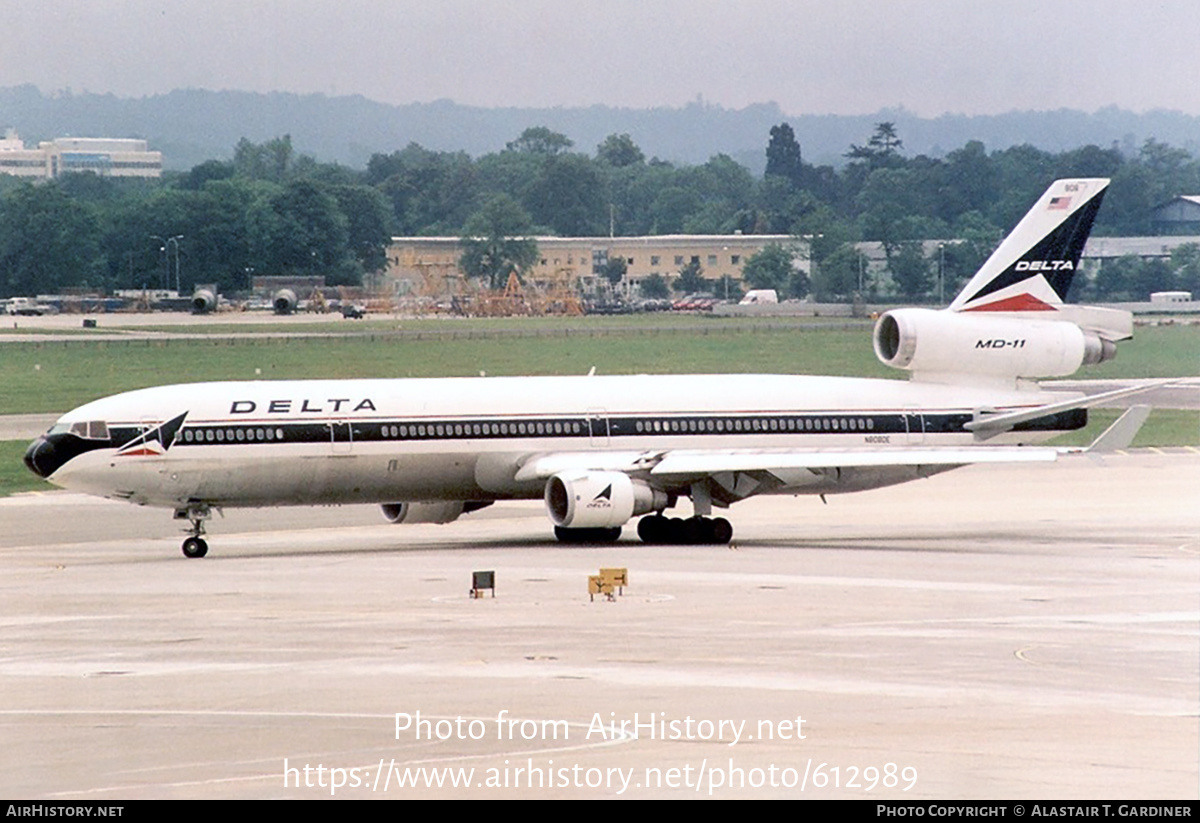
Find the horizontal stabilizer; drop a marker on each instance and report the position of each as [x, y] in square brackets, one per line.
[989, 425]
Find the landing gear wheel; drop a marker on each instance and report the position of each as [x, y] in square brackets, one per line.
[195, 547]
[721, 531]
[653, 529]
[694, 531]
[196, 513]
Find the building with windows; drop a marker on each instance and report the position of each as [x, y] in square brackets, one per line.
[1178, 216]
[107, 157]
[428, 266]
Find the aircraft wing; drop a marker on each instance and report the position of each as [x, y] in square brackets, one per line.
[692, 462]
[684, 463]
[542, 466]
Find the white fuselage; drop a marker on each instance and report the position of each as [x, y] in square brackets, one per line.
[381, 441]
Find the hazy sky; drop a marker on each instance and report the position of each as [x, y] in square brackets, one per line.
[809, 56]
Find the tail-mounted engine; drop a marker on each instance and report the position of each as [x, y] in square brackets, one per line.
[931, 343]
[586, 500]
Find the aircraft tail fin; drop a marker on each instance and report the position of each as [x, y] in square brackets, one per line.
[1031, 270]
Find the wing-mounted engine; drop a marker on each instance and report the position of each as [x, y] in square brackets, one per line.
[204, 301]
[934, 344]
[433, 511]
[284, 301]
[588, 500]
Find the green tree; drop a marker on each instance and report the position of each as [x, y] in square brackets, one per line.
[619, 150]
[691, 279]
[721, 187]
[771, 267]
[671, 207]
[783, 155]
[497, 242]
[799, 285]
[881, 150]
[310, 234]
[368, 224]
[969, 182]
[614, 270]
[540, 140]
[566, 196]
[1116, 278]
[47, 241]
[910, 269]
[654, 287]
[195, 179]
[1134, 278]
[729, 289]
[892, 208]
[836, 279]
[271, 160]
[428, 191]
[1186, 261]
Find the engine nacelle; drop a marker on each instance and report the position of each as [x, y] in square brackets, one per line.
[203, 301]
[433, 511]
[930, 343]
[588, 500]
[284, 301]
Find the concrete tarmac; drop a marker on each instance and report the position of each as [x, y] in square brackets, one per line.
[994, 632]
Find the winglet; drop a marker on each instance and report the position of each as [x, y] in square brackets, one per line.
[1121, 433]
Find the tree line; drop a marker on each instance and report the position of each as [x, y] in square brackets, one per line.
[270, 211]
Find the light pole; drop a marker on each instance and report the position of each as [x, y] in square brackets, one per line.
[726, 277]
[941, 273]
[165, 249]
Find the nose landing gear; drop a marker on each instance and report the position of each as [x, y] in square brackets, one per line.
[195, 546]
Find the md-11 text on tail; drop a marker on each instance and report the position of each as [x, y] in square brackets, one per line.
[602, 450]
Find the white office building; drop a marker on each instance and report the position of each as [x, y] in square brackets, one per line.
[107, 157]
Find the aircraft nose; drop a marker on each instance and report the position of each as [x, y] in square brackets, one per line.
[40, 458]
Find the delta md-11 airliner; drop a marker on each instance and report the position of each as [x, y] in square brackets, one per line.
[602, 450]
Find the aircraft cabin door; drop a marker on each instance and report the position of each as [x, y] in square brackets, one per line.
[341, 436]
[597, 421]
[914, 422]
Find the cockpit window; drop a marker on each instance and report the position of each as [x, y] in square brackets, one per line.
[90, 429]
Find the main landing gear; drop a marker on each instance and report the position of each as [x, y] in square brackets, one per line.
[195, 546]
[677, 531]
[700, 529]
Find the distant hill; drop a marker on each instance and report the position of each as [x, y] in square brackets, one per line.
[190, 126]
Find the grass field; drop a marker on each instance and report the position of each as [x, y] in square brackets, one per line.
[432, 324]
[14, 477]
[55, 376]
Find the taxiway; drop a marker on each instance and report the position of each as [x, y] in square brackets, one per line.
[1002, 631]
